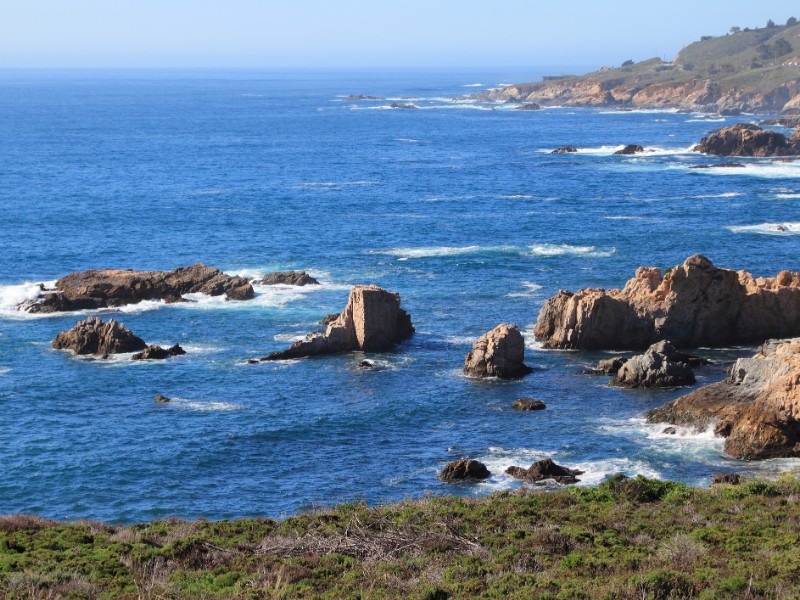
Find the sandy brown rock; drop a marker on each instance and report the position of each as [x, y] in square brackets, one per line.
[746, 139]
[528, 404]
[93, 336]
[757, 409]
[94, 289]
[498, 353]
[545, 469]
[694, 304]
[465, 469]
[288, 278]
[372, 321]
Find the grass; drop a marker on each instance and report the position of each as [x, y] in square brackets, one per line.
[627, 538]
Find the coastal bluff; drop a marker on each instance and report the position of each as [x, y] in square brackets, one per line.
[693, 304]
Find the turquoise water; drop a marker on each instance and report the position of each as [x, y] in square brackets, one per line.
[457, 206]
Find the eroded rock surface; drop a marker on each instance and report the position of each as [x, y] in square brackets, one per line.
[372, 321]
[659, 367]
[288, 278]
[746, 139]
[694, 304]
[93, 336]
[465, 469]
[545, 469]
[158, 353]
[498, 353]
[528, 404]
[95, 289]
[565, 150]
[630, 149]
[757, 409]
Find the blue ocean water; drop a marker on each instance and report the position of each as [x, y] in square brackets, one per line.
[457, 206]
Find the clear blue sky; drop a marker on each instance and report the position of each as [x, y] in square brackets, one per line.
[368, 33]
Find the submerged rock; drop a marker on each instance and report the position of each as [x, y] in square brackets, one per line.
[757, 409]
[545, 469]
[403, 106]
[372, 321]
[693, 304]
[360, 97]
[158, 353]
[659, 367]
[746, 139]
[93, 336]
[720, 166]
[465, 469]
[159, 399]
[94, 289]
[630, 149]
[528, 404]
[564, 150]
[498, 353]
[288, 278]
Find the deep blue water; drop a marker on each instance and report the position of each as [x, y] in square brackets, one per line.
[456, 206]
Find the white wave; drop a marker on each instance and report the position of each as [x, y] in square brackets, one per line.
[707, 120]
[4, 370]
[610, 150]
[461, 340]
[441, 251]
[14, 294]
[502, 85]
[211, 192]
[787, 196]
[207, 406]
[473, 85]
[595, 472]
[639, 111]
[722, 195]
[289, 337]
[409, 140]
[568, 250]
[624, 218]
[531, 289]
[192, 349]
[768, 228]
[335, 184]
[516, 197]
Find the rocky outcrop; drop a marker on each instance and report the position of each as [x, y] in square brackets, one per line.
[787, 121]
[465, 469]
[545, 469]
[158, 353]
[159, 399]
[93, 336]
[528, 106]
[372, 321]
[498, 353]
[403, 106]
[528, 404]
[757, 409]
[564, 150]
[328, 319]
[693, 304]
[288, 278]
[95, 289]
[607, 366]
[362, 97]
[630, 149]
[659, 367]
[746, 139]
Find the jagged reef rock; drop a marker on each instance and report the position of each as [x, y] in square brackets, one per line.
[159, 399]
[607, 366]
[545, 469]
[694, 304]
[465, 469]
[372, 321]
[498, 353]
[528, 404]
[94, 289]
[288, 278]
[93, 336]
[757, 409]
[746, 139]
[158, 353]
[564, 150]
[630, 149]
[659, 367]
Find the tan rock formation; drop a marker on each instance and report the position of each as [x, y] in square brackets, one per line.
[757, 409]
[694, 304]
[372, 321]
[746, 139]
[93, 336]
[93, 289]
[498, 353]
[659, 367]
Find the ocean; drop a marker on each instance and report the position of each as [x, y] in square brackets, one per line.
[458, 206]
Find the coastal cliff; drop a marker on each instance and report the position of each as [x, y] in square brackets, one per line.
[754, 70]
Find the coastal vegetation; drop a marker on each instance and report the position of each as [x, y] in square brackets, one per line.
[626, 538]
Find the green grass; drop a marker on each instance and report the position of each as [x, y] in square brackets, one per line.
[627, 538]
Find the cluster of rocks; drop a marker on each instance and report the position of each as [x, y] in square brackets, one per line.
[746, 139]
[287, 278]
[565, 150]
[528, 106]
[93, 336]
[468, 470]
[630, 149]
[660, 366]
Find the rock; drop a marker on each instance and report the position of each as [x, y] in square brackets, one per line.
[720, 166]
[670, 431]
[498, 353]
[288, 278]
[545, 469]
[162, 399]
[730, 112]
[328, 319]
[745, 139]
[403, 106]
[630, 149]
[528, 404]
[564, 150]
[607, 366]
[361, 97]
[252, 361]
[787, 121]
[158, 353]
[88, 290]
[726, 479]
[693, 304]
[93, 336]
[372, 321]
[465, 469]
[528, 106]
[658, 367]
[757, 409]
[366, 364]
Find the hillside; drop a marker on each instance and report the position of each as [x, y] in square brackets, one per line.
[754, 70]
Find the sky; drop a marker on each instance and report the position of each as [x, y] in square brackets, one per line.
[361, 34]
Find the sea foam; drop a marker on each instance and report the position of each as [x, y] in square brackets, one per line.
[768, 228]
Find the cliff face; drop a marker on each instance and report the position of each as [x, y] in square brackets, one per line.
[693, 304]
[746, 71]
